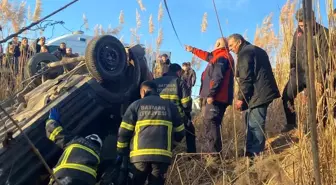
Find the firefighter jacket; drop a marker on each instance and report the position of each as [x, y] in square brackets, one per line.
[80, 158]
[148, 129]
[218, 78]
[172, 88]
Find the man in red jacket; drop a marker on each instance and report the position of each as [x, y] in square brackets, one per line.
[216, 88]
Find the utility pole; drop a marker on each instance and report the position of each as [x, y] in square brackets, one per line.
[309, 23]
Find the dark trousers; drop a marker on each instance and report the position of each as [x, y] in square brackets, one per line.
[290, 92]
[213, 115]
[151, 171]
[255, 121]
[190, 134]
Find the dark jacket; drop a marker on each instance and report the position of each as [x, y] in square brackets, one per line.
[256, 80]
[80, 158]
[172, 88]
[36, 46]
[189, 77]
[298, 52]
[149, 128]
[60, 53]
[16, 48]
[217, 79]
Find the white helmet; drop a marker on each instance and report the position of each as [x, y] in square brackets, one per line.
[95, 137]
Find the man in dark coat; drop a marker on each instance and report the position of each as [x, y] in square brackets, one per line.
[188, 75]
[38, 44]
[61, 51]
[297, 78]
[258, 89]
[216, 89]
[16, 43]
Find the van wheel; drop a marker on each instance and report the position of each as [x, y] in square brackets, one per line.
[36, 62]
[105, 58]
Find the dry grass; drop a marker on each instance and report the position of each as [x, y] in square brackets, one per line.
[96, 30]
[196, 62]
[287, 158]
[141, 5]
[204, 24]
[265, 36]
[86, 22]
[159, 38]
[245, 35]
[13, 16]
[138, 19]
[160, 13]
[38, 10]
[121, 18]
[151, 24]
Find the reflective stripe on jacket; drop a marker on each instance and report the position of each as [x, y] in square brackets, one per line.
[80, 158]
[148, 130]
[172, 88]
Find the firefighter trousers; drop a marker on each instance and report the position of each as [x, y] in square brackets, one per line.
[154, 172]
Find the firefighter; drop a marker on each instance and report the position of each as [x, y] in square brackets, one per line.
[81, 157]
[147, 134]
[172, 88]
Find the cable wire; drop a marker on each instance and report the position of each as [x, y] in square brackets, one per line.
[171, 21]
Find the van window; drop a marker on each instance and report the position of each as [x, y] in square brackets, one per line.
[52, 48]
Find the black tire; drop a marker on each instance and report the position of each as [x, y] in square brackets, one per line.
[35, 61]
[34, 65]
[105, 58]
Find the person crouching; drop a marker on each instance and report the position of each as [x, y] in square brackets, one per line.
[81, 157]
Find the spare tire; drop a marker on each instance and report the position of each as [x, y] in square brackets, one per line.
[34, 65]
[105, 58]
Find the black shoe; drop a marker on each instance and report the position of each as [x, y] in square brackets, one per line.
[288, 128]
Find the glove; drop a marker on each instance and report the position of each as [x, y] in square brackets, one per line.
[54, 114]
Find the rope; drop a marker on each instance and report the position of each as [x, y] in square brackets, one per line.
[171, 21]
[219, 24]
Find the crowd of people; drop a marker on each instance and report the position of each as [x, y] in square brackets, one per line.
[152, 126]
[17, 54]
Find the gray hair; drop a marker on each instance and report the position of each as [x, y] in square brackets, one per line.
[236, 37]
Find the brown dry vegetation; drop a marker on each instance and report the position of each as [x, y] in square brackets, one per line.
[287, 159]
[13, 16]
